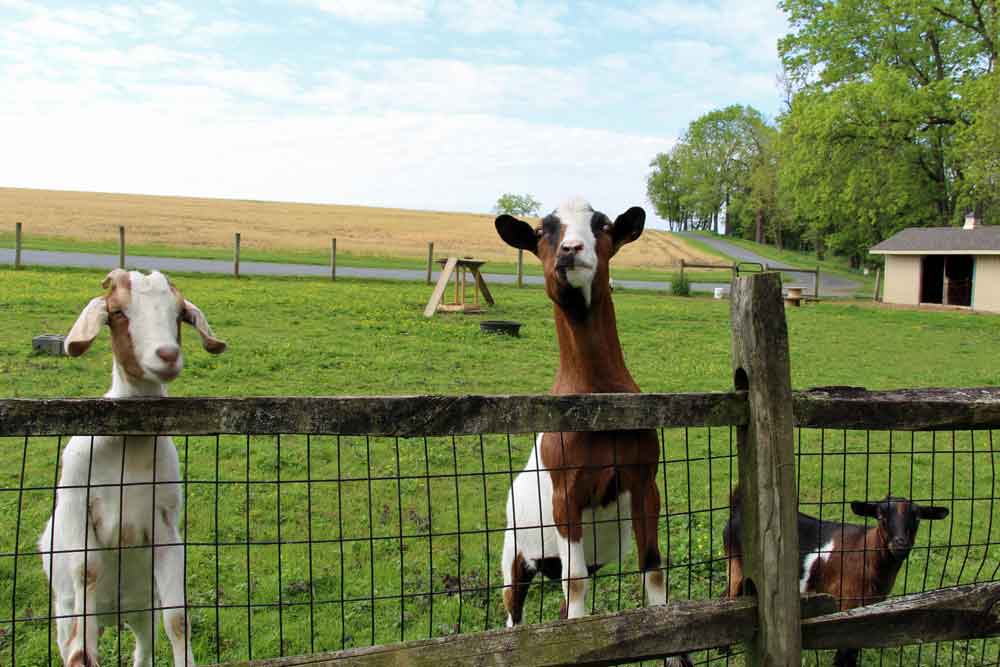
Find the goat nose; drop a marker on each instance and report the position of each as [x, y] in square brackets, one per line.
[572, 246]
[168, 353]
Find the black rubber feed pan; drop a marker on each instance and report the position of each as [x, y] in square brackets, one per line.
[501, 327]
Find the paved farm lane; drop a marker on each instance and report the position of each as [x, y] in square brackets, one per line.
[171, 265]
[828, 283]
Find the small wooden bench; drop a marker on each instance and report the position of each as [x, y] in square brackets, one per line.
[465, 266]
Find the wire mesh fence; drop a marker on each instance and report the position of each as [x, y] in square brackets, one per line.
[300, 543]
[303, 543]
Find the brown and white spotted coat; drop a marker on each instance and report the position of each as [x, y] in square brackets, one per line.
[855, 564]
[103, 532]
[582, 495]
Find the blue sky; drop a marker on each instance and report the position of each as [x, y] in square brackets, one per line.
[428, 104]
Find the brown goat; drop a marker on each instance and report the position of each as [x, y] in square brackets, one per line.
[855, 564]
[567, 503]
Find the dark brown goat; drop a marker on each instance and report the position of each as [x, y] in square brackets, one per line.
[855, 564]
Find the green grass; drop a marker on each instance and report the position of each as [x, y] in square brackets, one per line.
[313, 337]
[344, 258]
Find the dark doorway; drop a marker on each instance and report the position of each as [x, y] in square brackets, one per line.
[958, 271]
[932, 279]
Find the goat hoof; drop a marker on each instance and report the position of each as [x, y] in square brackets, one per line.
[82, 659]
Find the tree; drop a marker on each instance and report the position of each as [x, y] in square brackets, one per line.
[663, 188]
[979, 143]
[513, 204]
[717, 172]
[901, 75]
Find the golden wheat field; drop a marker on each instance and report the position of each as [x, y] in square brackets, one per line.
[273, 226]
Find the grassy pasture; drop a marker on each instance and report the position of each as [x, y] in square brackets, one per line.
[288, 232]
[312, 337]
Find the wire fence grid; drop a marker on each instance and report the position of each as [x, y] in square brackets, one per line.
[297, 544]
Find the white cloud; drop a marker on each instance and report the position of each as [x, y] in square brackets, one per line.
[474, 17]
[750, 26]
[169, 17]
[448, 85]
[376, 11]
[489, 16]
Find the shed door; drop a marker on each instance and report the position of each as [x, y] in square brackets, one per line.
[958, 270]
[932, 279]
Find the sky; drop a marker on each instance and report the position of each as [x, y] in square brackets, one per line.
[428, 104]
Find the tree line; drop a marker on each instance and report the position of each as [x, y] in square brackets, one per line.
[891, 119]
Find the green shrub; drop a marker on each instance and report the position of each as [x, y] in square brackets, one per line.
[680, 285]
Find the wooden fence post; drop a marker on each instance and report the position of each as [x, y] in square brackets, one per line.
[121, 246]
[767, 468]
[878, 282]
[333, 258]
[520, 268]
[430, 260]
[682, 270]
[236, 255]
[817, 282]
[17, 246]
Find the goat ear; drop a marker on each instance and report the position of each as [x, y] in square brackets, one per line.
[193, 316]
[114, 277]
[628, 227]
[864, 509]
[86, 327]
[933, 512]
[517, 233]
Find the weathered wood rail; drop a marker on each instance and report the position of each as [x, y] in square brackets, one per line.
[611, 639]
[963, 612]
[413, 416]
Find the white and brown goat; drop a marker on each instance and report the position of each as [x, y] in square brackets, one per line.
[575, 502]
[855, 564]
[114, 532]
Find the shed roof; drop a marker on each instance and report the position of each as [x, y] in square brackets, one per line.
[941, 241]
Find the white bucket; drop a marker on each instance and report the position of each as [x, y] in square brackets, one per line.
[718, 292]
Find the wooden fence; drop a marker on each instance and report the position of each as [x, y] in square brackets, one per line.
[762, 411]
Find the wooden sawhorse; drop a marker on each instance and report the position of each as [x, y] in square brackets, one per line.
[465, 266]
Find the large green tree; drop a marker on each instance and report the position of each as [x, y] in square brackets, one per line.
[888, 108]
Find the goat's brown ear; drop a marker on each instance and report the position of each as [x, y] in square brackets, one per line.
[517, 233]
[864, 509]
[193, 316]
[932, 512]
[86, 327]
[628, 226]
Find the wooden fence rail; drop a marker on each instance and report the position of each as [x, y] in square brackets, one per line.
[832, 408]
[962, 612]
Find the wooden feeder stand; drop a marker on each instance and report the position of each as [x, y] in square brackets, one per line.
[465, 266]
